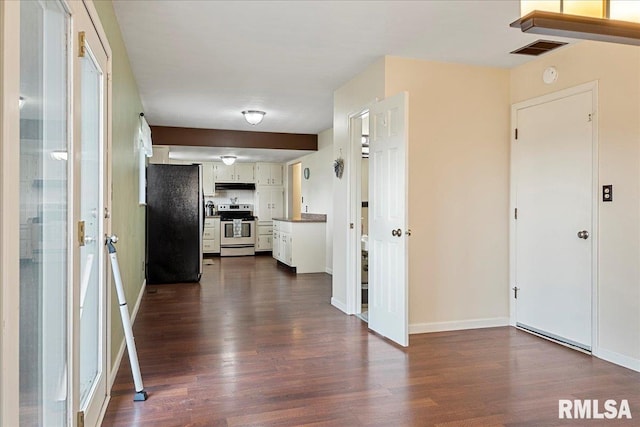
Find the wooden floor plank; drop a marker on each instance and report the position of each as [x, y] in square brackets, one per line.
[253, 344]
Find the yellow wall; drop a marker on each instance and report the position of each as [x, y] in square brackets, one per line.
[349, 99]
[296, 190]
[128, 220]
[458, 188]
[617, 70]
[458, 192]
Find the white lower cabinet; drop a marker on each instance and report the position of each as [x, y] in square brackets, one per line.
[211, 236]
[276, 244]
[300, 245]
[264, 241]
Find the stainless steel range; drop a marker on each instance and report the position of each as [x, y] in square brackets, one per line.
[237, 230]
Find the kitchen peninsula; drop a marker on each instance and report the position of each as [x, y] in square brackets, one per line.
[300, 242]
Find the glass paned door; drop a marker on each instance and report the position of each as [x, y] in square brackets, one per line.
[90, 130]
[44, 227]
[91, 249]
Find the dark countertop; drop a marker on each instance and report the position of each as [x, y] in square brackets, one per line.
[305, 218]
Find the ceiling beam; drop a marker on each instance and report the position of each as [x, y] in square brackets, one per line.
[195, 137]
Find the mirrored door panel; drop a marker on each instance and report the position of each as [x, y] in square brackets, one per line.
[44, 228]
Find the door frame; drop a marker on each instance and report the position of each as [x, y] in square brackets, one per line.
[9, 212]
[590, 87]
[107, 203]
[104, 268]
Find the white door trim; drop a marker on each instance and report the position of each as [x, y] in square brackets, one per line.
[591, 87]
[9, 212]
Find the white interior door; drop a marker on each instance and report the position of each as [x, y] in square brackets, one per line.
[90, 194]
[388, 304]
[553, 173]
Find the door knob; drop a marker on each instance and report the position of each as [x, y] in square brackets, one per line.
[584, 234]
[396, 233]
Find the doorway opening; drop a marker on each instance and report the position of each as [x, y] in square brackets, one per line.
[296, 190]
[359, 152]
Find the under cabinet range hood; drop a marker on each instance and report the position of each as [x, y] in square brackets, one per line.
[221, 186]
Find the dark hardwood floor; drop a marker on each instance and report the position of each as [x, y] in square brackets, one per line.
[254, 345]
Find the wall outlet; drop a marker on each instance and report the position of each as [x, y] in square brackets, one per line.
[607, 193]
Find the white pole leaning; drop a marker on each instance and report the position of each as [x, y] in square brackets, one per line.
[141, 394]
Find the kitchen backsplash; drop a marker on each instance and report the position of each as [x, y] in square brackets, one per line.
[224, 197]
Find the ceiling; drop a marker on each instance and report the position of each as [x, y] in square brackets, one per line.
[200, 63]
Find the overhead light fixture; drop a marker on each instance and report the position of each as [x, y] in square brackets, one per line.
[616, 21]
[228, 160]
[21, 102]
[253, 117]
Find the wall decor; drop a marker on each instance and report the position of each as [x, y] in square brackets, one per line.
[338, 167]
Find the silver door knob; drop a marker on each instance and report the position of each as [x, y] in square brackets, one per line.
[396, 233]
[584, 234]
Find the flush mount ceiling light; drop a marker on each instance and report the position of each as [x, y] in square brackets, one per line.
[228, 160]
[616, 21]
[253, 117]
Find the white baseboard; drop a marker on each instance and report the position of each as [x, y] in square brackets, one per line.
[339, 305]
[422, 328]
[123, 344]
[618, 359]
[329, 270]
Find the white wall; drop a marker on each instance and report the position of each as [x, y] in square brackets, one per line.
[617, 70]
[317, 191]
[350, 99]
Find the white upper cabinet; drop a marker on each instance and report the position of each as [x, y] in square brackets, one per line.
[238, 172]
[269, 203]
[224, 173]
[181, 162]
[269, 174]
[207, 179]
[245, 172]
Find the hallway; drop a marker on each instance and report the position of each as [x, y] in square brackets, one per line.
[253, 344]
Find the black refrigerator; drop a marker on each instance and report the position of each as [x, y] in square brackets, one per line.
[175, 221]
